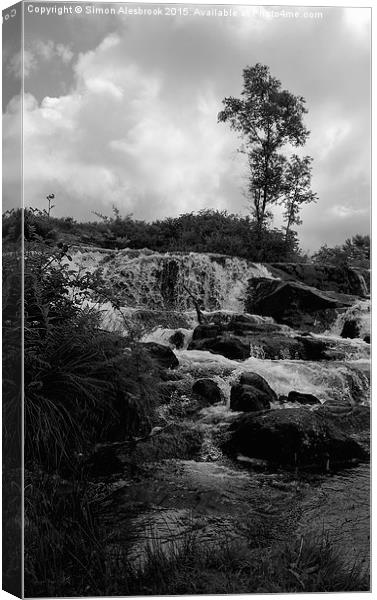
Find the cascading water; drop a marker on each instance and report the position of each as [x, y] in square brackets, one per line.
[360, 313]
[153, 291]
[165, 281]
[146, 281]
[346, 382]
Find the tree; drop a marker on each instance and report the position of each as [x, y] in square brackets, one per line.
[267, 118]
[297, 181]
[355, 252]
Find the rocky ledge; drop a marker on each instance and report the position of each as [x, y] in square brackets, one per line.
[299, 437]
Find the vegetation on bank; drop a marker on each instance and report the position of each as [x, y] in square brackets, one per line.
[206, 231]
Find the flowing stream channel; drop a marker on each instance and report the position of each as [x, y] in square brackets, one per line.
[213, 495]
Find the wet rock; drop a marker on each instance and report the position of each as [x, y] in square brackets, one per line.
[244, 325]
[229, 346]
[301, 398]
[207, 389]
[162, 355]
[293, 436]
[350, 329]
[247, 398]
[367, 338]
[210, 330]
[173, 441]
[313, 349]
[272, 346]
[294, 303]
[257, 381]
[177, 339]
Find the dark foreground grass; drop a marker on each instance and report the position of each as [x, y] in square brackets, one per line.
[306, 565]
[68, 553]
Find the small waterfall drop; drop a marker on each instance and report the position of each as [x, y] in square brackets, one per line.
[359, 312]
[141, 278]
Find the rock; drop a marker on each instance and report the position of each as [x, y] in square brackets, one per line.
[346, 280]
[367, 338]
[177, 339]
[242, 325]
[293, 436]
[210, 330]
[258, 382]
[207, 389]
[227, 345]
[302, 398]
[176, 440]
[313, 349]
[293, 303]
[283, 399]
[162, 355]
[247, 398]
[350, 329]
[273, 346]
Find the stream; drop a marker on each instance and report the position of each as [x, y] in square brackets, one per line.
[212, 496]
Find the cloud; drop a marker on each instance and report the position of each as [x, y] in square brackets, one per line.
[136, 122]
[37, 52]
[113, 141]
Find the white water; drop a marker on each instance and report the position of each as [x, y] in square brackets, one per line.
[343, 382]
[157, 281]
[149, 280]
[361, 312]
[161, 335]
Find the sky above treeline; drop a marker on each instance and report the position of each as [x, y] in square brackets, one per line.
[122, 110]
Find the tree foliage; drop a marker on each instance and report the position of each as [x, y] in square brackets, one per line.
[208, 230]
[355, 252]
[267, 118]
[297, 190]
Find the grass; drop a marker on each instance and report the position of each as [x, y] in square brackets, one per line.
[306, 565]
[70, 553]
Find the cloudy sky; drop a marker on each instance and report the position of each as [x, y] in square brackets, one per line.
[123, 110]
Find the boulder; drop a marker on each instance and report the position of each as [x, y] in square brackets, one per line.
[346, 280]
[367, 338]
[177, 339]
[208, 330]
[293, 436]
[351, 329]
[257, 381]
[313, 349]
[247, 398]
[162, 355]
[293, 303]
[226, 345]
[207, 389]
[272, 346]
[301, 398]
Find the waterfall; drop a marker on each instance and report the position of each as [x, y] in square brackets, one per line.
[363, 285]
[142, 278]
[359, 312]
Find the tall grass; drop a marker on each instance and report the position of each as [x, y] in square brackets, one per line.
[83, 561]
